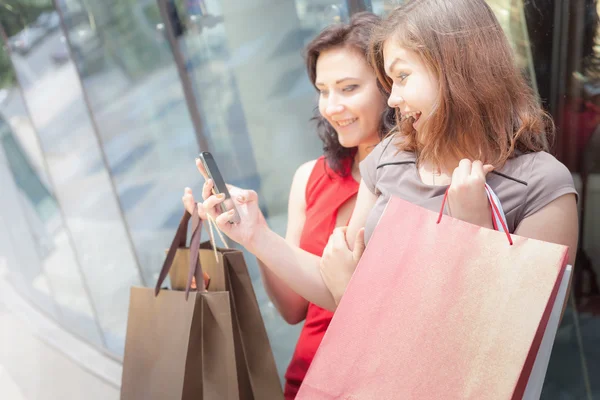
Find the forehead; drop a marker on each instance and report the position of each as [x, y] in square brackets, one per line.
[337, 63]
[395, 54]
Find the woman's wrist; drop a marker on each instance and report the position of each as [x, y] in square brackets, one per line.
[258, 239]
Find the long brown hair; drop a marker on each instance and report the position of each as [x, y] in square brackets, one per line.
[485, 110]
[354, 35]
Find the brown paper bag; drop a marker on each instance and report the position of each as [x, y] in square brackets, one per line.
[226, 270]
[179, 345]
[257, 372]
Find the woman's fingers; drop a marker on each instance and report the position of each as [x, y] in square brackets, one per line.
[467, 199]
[477, 169]
[467, 168]
[338, 238]
[207, 189]
[211, 203]
[247, 196]
[200, 167]
[359, 245]
[464, 167]
[188, 200]
[202, 211]
[223, 220]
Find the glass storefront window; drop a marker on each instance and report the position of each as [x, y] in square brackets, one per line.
[40, 255]
[578, 145]
[142, 122]
[93, 265]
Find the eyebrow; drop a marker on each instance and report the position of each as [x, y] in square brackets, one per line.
[393, 64]
[338, 81]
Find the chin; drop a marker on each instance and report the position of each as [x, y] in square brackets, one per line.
[347, 142]
[349, 139]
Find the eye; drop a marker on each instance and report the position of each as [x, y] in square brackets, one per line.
[350, 88]
[402, 76]
[323, 92]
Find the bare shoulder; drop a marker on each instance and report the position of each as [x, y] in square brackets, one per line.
[297, 202]
[303, 172]
[301, 177]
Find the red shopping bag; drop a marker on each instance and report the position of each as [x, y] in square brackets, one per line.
[441, 309]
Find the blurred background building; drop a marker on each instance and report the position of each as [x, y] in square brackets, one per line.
[104, 105]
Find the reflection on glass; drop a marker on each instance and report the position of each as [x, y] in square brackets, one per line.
[578, 116]
[25, 208]
[93, 265]
[383, 7]
[511, 15]
[43, 264]
[143, 124]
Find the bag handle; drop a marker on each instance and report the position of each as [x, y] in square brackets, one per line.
[212, 224]
[178, 241]
[495, 213]
[195, 269]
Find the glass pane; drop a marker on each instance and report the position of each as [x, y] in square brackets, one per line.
[382, 7]
[578, 145]
[102, 254]
[143, 125]
[248, 75]
[511, 15]
[35, 236]
[24, 239]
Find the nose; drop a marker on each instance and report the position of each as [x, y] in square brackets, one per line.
[333, 106]
[395, 100]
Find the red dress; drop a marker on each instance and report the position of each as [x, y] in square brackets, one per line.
[326, 191]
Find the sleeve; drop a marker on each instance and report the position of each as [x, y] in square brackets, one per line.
[368, 167]
[549, 180]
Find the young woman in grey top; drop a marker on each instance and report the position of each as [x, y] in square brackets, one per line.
[465, 116]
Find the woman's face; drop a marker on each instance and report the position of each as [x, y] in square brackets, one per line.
[414, 87]
[349, 97]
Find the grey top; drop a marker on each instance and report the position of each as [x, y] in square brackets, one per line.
[524, 185]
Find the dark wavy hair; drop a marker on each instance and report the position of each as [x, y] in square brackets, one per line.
[354, 35]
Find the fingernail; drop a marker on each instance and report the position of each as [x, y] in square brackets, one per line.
[197, 158]
[220, 195]
[241, 199]
[231, 212]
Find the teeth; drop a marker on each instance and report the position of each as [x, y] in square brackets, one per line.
[413, 114]
[346, 122]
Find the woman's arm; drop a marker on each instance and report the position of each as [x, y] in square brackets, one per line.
[297, 268]
[290, 304]
[364, 204]
[346, 246]
[557, 223]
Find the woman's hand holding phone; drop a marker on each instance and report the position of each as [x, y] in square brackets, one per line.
[252, 222]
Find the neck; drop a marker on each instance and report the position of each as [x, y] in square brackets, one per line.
[446, 167]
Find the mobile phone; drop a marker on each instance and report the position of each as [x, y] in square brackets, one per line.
[210, 165]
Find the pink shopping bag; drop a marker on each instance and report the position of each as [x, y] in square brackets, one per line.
[442, 309]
